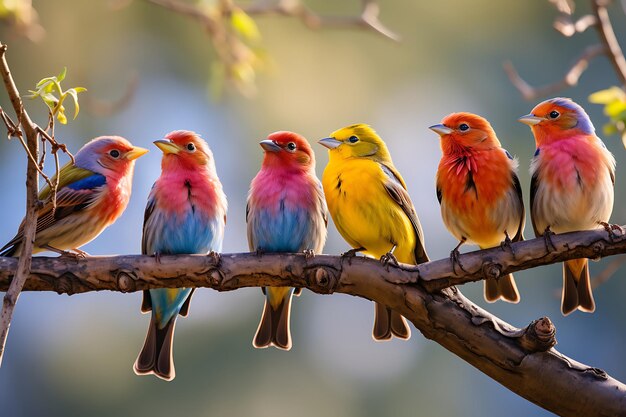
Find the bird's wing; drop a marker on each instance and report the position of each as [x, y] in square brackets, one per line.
[519, 235]
[534, 185]
[322, 202]
[396, 189]
[78, 188]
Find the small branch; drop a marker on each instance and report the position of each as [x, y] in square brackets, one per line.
[607, 35]
[22, 269]
[368, 19]
[567, 27]
[523, 360]
[570, 79]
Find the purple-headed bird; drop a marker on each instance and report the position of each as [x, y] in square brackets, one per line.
[92, 193]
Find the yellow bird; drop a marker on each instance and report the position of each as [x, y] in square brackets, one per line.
[371, 208]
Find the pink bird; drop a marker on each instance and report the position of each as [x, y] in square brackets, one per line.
[573, 176]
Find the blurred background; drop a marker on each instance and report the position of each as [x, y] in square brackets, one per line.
[73, 356]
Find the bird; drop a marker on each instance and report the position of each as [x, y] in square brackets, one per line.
[572, 186]
[371, 208]
[479, 192]
[185, 214]
[92, 193]
[286, 212]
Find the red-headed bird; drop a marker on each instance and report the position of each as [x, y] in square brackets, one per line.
[573, 176]
[93, 192]
[185, 214]
[286, 212]
[479, 192]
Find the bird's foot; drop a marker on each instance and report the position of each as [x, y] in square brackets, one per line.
[351, 254]
[615, 231]
[506, 244]
[259, 252]
[389, 258]
[215, 257]
[81, 253]
[157, 257]
[454, 259]
[309, 253]
[547, 238]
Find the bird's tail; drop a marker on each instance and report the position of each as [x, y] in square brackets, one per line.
[274, 329]
[501, 288]
[156, 355]
[389, 323]
[577, 287]
[12, 248]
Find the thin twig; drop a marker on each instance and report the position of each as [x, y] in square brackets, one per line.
[32, 187]
[570, 78]
[368, 19]
[607, 35]
[568, 27]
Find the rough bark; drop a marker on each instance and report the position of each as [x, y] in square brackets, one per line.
[523, 360]
[22, 268]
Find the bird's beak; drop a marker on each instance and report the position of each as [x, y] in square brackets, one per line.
[135, 153]
[530, 119]
[330, 143]
[269, 145]
[440, 129]
[166, 146]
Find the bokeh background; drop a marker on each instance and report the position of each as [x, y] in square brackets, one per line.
[73, 356]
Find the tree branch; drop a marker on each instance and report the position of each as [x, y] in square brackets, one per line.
[523, 360]
[568, 27]
[607, 35]
[570, 78]
[22, 268]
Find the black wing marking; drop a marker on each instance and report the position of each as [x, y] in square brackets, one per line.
[519, 236]
[534, 185]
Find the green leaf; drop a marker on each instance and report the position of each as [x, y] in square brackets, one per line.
[73, 92]
[608, 96]
[61, 76]
[243, 24]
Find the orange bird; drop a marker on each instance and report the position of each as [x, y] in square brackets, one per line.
[573, 176]
[479, 192]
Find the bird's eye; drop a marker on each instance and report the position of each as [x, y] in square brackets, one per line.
[554, 114]
[191, 147]
[463, 127]
[114, 153]
[291, 146]
[353, 139]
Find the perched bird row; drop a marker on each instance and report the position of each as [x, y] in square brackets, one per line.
[477, 186]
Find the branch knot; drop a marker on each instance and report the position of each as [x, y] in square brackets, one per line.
[126, 280]
[492, 270]
[323, 279]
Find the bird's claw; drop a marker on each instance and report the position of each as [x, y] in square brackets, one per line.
[81, 253]
[389, 258]
[351, 254]
[157, 257]
[454, 259]
[259, 252]
[615, 231]
[309, 253]
[73, 255]
[506, 244]
[547, 238]
[215, 257]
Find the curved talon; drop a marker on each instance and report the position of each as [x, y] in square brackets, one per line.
[351, 254]
[309, 253]
[215, 256]
[71, 255]
[611, 228]
[506, 244]
[81, 253]
[547, 238]
[389, 258]
[454, 257]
